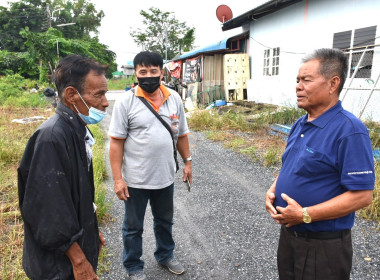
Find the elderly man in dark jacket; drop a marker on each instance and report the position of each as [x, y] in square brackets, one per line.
[55, 179]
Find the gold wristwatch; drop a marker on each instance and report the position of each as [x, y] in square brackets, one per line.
[305, 216]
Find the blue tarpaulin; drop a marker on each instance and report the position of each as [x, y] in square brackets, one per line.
[219, 46]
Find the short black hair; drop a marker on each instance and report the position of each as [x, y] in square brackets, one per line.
[147, 58]
[72, 71]
[333, 62]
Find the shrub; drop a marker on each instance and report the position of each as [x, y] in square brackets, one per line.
[14, 92]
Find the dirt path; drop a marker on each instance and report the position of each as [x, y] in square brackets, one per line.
[221, 228]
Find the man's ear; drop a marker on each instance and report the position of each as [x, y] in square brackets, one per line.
[70, 95]
[334, 84]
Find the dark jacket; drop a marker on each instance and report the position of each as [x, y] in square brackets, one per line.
[56, 194]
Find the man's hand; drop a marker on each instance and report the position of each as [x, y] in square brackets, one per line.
[121, 189]
[82, 269]
[102, 242]
[188, 172]
[290, 215]
[269, 199]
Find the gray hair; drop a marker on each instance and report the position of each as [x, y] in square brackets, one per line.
[333, 62]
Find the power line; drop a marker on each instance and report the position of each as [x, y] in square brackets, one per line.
[290, 52]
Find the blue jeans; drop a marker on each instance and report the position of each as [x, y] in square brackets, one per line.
[161, 203]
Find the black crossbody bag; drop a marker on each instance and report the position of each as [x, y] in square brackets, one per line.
[143, 100]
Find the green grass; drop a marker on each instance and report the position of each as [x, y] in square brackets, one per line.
[235, 143]
[283, 115]
[100, 173]
[216, 135]
[121, 84]
[271, 157]
[372, 212]
[251, 152]
[212, 120]
[15, 92]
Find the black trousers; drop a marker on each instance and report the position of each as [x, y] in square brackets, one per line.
[303, 258]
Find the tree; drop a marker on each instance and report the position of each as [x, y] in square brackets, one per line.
[19, 15]
[163, 33]
[40, 15]
[46, 48]
[80, 12]
[31, 46]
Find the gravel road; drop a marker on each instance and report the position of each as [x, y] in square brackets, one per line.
[221, 229]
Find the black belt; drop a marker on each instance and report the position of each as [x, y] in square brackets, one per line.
[324, 235]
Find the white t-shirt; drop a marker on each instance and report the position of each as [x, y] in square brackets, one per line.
[148, 161]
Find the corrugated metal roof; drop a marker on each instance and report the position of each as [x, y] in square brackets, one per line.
[219, 46]
[258, 12]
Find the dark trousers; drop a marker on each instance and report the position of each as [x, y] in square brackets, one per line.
[161, 203]
[303, 258]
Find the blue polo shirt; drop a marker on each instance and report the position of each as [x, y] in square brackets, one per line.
[323, 159]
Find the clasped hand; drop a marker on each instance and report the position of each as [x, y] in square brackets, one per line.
[290, 215]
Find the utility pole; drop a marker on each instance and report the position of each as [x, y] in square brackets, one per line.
[166, 43]
[48, 15]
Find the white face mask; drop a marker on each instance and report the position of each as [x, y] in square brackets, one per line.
[94, 115]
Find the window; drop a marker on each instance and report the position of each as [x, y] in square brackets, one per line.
[355, 43]
[271, 62]
[275, 61]
[266, 62]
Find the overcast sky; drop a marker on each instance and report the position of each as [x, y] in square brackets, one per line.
[122, 15]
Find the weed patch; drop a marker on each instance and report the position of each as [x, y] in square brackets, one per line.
[14, 92]
[121, 84]
[271, 157]
[251, 152]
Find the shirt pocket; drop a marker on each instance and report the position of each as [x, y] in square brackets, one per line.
[312, 162]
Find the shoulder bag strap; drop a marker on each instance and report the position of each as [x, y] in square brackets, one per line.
[165, 124]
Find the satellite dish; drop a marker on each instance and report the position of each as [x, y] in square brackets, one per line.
[223, 13]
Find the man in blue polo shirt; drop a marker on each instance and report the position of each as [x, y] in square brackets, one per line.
[327, 174]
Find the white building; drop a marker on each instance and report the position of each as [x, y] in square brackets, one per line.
[128, 69]
[281, 32]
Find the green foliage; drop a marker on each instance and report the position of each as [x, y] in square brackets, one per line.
[159, 25]
[19, 15]
[26, 26]
[39, 15]
[17, 62]
[44, 46]
[14, 92]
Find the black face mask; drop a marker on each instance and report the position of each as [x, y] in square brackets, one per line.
[149, 84]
